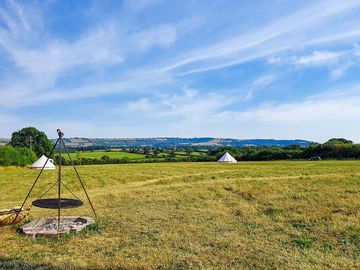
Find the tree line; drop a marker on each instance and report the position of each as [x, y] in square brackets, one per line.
[336, 148]
[108, 160]
[28, 144]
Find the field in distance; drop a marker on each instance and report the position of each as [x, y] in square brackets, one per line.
[249, 215]
[120, 154]
[111, 154]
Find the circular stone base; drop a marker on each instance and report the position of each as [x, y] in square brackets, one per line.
[48, 226]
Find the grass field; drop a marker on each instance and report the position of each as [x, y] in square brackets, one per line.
[99, 154]
[131, 156]
[250, 215]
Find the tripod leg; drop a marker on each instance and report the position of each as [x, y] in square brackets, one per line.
[82, 185]
[59, 189]
[37, 178]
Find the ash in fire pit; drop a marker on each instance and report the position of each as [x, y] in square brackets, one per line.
[49, 226]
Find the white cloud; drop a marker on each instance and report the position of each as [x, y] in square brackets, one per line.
[329, 114]
[260, 83]
[275, 60]
[357, 51]
[316, 120]
[340, 70]
[318, 58]
[189, 113]
[20, 13]
[319, 117]
[307, 111]
[264, 80]
[141, 105]
[195, 107]
[287, 33]
[315, 58]
[137, 82]
[93, 49]
[104, 46]
[43, 60]
[338, 62]
[187, 104]
[139, 5]
[162, 36]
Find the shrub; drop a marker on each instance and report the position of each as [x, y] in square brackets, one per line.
[16, 156]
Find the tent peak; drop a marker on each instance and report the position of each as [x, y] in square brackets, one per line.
[227, 158]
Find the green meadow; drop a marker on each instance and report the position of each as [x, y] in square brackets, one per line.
[131, 156]
[111, 154]
[249, 215]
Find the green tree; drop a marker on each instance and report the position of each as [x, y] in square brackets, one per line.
[293, 147]
[146, 150]
[16, 156]
[172, 154]
[32, 138]
[188, 151]
[105, 158]
[156, 152]
[339, 141]
[79, 156]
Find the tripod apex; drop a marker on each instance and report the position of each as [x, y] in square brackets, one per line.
[60, 133]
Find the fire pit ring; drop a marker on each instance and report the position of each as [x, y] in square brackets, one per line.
[48, 226]
[53, 203]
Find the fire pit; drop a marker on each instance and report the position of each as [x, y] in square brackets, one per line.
[48, 226]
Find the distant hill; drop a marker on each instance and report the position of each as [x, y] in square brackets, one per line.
[168, 142]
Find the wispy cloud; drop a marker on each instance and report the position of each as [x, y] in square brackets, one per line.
[186, 104]
[323, 115]
[138, 82]
[272, 38]
[94, 49]
[261, 82]
[317, 58]
[340, 70]
[162, 36]
[178, 64]
[103, 46]
[326, 115]
[338, 62]
[140, 4]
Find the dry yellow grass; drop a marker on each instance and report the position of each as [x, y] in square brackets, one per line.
[250, 215]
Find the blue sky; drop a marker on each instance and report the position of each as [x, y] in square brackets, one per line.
[242, 69]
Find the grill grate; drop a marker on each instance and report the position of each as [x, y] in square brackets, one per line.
[53, 203]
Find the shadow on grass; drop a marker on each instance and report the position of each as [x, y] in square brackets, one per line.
[21, 265]
[16, 263]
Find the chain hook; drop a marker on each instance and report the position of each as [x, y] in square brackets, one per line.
[60, 133]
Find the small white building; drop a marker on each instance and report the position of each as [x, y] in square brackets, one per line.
[227, 158]
[40, 163]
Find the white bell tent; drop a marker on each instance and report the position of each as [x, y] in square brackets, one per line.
[40, 163]
[227, 158]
